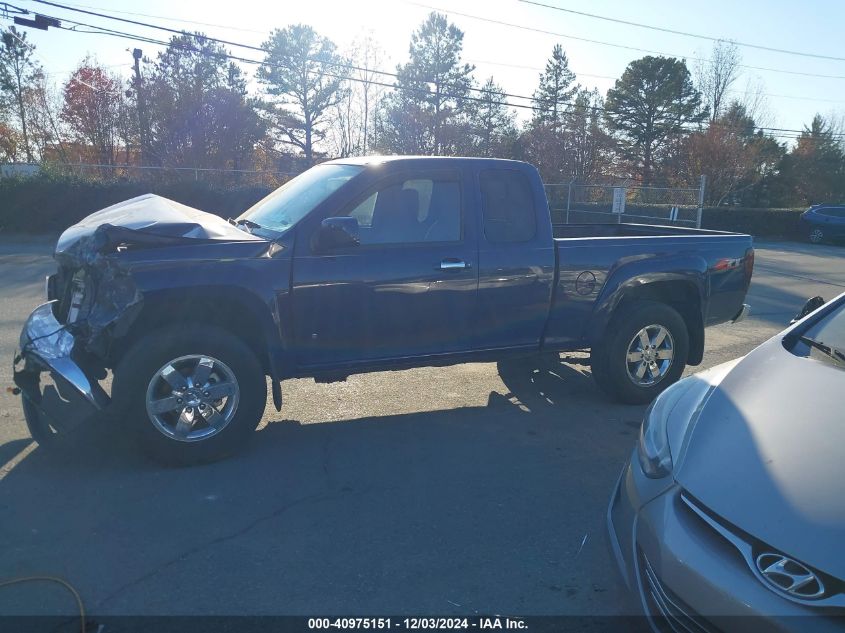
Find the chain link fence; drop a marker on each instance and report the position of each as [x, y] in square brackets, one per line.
[570, 203]
[577, 203]
[152, 173]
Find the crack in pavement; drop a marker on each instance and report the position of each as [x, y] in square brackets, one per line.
[216, 541]
[796, 276]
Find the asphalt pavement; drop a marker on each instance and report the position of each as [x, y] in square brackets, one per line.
[430, 491]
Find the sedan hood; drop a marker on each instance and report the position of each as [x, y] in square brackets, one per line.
[767, 454]
[148, 219]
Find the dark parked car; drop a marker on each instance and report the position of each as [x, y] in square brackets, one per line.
[824, 222]
[357, 266]
[729, 515]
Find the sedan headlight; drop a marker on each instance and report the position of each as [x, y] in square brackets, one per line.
[653, 449]
[671, 418]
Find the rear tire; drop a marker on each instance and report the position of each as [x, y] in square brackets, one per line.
[194, 393]
[634, 371]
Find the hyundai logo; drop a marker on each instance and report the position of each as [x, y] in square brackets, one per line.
[788, 576]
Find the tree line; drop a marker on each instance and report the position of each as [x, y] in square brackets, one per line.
[191, 106]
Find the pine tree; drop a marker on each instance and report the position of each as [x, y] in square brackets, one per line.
[814, 171]
[492, 121]
[652, 102]
[552, 97]
[303, 76]
[427, 113]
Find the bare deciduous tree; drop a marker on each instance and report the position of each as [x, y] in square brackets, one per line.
[44, 104]
[18, 70]
[755, 102]
[714, 77]
[350, 133]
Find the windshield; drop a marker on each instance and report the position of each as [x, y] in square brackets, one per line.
[828, 333]
[292, 201]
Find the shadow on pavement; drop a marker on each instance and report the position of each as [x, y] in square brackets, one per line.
[461, 511]
[773, 303]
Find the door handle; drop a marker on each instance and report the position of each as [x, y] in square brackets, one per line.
[453, 264]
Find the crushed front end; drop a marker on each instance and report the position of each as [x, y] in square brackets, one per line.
[92, 300]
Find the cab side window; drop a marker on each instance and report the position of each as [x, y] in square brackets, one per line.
[411, 211]
[507, 205]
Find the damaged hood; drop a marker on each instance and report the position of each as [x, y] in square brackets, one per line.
[147, 219]
[766, 454]
[110, 298]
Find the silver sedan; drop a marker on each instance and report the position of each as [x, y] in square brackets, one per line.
[730, 515]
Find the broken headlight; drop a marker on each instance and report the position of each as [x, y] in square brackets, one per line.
[77, 296]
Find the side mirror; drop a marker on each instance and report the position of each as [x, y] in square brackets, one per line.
[338, 232]
[811, 305]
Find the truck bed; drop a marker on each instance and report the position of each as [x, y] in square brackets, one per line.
[597, 262]
[565, 231]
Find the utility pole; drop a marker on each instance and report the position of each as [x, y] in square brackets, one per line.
[141, 104]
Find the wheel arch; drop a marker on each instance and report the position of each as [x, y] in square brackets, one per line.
[683, 293]
[231, 308]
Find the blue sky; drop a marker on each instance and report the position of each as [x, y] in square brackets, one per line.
[513, 56]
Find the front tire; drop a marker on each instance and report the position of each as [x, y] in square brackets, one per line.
[816, 235]
[195, 393]
[643, 351]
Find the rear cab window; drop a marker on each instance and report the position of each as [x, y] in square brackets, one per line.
[507, 206]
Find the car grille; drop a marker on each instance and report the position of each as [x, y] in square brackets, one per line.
[749, 548]
[670, 613]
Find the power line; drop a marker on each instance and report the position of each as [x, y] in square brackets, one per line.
[394, 75]
[492, 63]
[202, 36]
[466, 15]
[662, 29]
[149, 40]
[132, 36]
[604, 43]
[778, 132]
[53, 73]
[172, 19]
[226, 42]
[581, 74]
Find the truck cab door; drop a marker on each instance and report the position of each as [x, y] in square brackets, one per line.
[516, 264]
[407, 289]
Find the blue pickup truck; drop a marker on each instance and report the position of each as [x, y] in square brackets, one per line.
[359, 265]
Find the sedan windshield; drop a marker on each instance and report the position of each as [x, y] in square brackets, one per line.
[295, 199]
[827, 336]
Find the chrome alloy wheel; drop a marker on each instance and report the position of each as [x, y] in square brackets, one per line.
[816, 236]
[650, 355]
[192, 398]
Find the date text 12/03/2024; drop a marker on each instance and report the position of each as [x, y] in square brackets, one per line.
[419, 623]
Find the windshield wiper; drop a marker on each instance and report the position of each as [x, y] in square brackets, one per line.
[827, 350]
[243, 222]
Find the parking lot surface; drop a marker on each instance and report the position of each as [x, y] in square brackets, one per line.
[430, 491]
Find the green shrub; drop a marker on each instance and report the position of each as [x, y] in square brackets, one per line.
[49, 204]
[758, 222]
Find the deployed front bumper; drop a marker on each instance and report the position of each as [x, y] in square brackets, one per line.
[47, 345]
